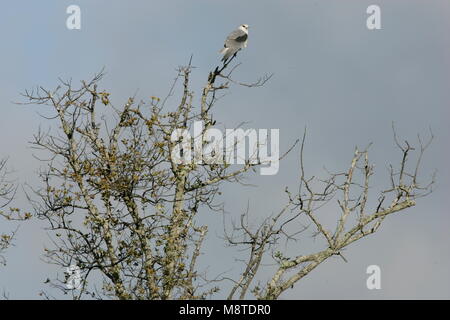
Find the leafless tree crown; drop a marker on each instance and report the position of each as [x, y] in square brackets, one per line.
[121, 208]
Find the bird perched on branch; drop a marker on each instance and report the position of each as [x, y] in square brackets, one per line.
[235, 41]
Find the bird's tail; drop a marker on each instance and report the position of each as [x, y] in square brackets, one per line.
[224, 51]
[227, 53]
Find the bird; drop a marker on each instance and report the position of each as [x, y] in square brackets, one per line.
[235, 41]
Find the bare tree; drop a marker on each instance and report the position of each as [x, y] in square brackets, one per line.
[6, 190]
[123, 208]
[7, 193]
[351, 190]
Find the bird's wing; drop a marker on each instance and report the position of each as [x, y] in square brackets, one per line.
[236, 37]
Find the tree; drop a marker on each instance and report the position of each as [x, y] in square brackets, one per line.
[6, 190]
[122, 206]
[7, 193]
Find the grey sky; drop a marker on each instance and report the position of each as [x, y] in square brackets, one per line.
[344, 82]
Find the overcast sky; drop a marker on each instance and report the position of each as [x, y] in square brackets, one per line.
[344, 82]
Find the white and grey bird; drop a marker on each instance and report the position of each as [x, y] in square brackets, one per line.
[235, 41]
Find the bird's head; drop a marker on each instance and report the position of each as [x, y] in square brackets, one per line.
[244, 27]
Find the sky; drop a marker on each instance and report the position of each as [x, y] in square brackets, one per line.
[345, 83]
